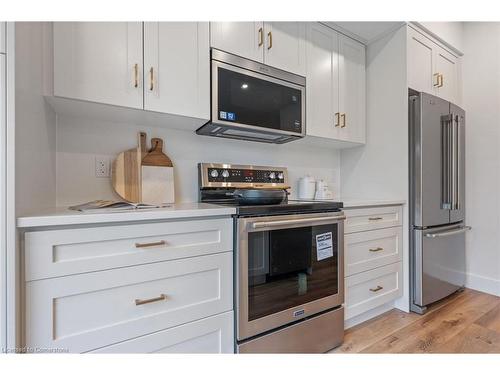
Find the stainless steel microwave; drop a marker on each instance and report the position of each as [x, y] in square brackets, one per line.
[254, 102]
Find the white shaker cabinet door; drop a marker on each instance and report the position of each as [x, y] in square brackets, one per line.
[322, 82]
[245, 39]
[420, 62]
[447, 66]
[99, 62]
[285, 46]
[352, 83]
[2, 37]
[177, 68]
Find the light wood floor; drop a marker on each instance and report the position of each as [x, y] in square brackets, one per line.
[466, 322]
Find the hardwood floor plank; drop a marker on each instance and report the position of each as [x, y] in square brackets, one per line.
[436, 327]
[373, 330]
[491, 319]
[473, 339]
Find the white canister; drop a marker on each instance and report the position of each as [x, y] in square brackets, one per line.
[307, 188]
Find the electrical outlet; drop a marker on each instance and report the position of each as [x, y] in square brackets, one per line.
[102, 166]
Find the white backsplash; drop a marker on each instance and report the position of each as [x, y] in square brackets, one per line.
[80, 140]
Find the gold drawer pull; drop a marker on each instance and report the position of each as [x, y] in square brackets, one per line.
[270, 38]
[343, 116]
[375, 218]
[139, 302]
[151, 244]
[337, 119]
[376, 289]
[261, 36]
[376, 249]
[136, 75]
[436, 76]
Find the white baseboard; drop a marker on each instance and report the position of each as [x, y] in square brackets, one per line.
[482, 284]
[358, 319]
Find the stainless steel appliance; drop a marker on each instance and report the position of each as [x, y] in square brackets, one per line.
[289, 274]
[437, 199]
[254, 102]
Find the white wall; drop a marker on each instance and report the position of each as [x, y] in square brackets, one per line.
[79, 140]
[379, 170]
[35, 124]
[450, 32]
[481, 97]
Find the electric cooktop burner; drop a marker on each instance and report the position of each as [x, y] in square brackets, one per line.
[254, 190]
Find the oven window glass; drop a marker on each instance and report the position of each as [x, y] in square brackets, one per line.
[253, 101]
[290, 267]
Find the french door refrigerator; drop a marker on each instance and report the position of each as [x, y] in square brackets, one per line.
[437, 199]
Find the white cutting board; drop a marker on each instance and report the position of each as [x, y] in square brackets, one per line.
[158, 185]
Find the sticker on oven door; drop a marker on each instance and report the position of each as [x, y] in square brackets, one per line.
[223, 115]
[324, 245]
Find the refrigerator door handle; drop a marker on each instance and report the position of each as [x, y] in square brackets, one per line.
[448, 232]
[446, 157]
[457, 157]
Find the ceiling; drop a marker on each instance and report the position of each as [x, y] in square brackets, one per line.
[365, 32]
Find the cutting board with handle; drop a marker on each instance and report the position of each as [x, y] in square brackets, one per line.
[126, 171]
[157, 173]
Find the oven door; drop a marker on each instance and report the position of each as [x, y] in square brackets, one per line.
[288, 267]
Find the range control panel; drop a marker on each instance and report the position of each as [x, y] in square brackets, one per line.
[232, 175]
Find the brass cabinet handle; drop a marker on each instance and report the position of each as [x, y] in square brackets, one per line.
[440, 80]
[136, 75]
[337, 119]
[374, 250]
[436, 76]
[270, 37]
[343, 116]
[161, 297]
[261, 36]
[375, 218]
[151, 244]
[151, 79]
[376, 289]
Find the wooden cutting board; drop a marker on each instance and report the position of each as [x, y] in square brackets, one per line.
[157, 173]
[126, 171]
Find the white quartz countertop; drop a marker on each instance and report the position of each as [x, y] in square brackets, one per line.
[64, 216]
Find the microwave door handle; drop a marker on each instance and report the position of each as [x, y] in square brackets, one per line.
[281, 223]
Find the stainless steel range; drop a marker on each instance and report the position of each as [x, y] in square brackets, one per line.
[289, 272]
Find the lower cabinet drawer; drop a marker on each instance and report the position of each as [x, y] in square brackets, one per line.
[89, 311]
[367, 290]
[361, 219]
[210, 335]
[371, 249]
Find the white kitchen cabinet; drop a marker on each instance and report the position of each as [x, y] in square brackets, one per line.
[335, 85]
[244, 39]
[370, 218]
[3, 33]
[99, 62]
[285, 46]
[278, 44]
[177, 68]
[322, 82]
[92, 310]
[447, 65]
[210, 335]
[431, 68]
[352, 90]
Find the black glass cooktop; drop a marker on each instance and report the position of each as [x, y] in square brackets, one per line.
[288, 207]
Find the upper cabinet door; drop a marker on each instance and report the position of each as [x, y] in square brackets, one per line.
[285, 46]
[2, 37]
[177, 68]
[448, 69]
[352, 85]
[244, 39]
[420, 62]
[99, 62]
[322, 91]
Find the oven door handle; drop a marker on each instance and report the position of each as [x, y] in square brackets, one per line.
[310, 220]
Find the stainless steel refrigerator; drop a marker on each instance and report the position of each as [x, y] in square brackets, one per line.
[437, 199]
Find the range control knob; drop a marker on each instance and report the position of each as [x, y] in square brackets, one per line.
[272, 176]
[225, 173]
[280, 176]
[214, 173]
